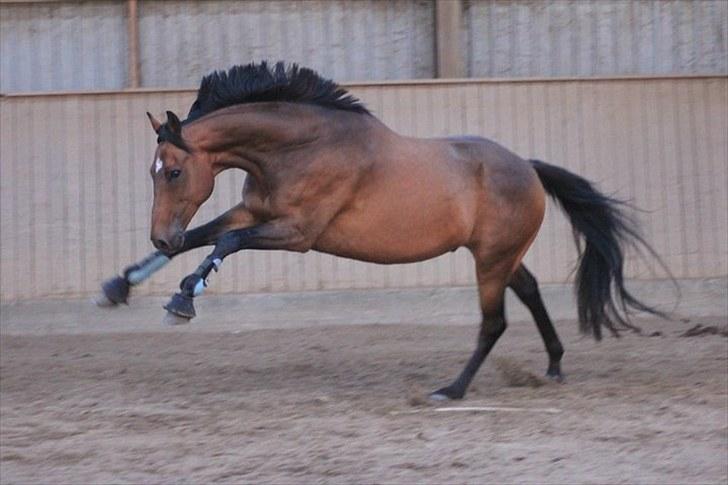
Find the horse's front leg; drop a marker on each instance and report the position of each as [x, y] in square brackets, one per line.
[116, 290]
[275, 234]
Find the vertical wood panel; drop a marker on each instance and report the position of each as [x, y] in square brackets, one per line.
[717, 100]
[8, 202]
[75, 207]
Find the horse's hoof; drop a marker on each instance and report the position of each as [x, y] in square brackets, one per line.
[446, 394]
[182, 306]
[554, 373]
[171, 319]
[555, 377]
[102, 301]
[115, 291]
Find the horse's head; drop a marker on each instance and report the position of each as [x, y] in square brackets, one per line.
[183, 179]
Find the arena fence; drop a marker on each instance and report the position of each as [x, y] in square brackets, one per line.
[76, 194]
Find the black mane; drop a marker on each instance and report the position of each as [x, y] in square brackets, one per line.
[259, 82]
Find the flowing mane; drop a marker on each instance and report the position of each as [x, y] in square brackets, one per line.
[260, 82]
[254, 83]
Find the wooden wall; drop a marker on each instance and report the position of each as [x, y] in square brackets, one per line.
[76, 194]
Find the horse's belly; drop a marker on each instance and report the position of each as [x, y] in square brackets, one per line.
[397, 234]
[379, 250]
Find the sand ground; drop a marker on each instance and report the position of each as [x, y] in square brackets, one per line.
[344, 404]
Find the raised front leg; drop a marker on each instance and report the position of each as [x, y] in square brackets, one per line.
[116, 290]
[276, 234]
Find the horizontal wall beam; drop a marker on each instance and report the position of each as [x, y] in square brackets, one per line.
[397, 83]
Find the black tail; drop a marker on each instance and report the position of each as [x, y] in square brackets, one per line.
[605, 229]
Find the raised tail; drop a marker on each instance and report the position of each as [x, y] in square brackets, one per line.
[605, 229]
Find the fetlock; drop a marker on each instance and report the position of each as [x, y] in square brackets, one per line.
[192, 285]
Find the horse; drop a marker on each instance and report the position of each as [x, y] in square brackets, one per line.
[324, 174]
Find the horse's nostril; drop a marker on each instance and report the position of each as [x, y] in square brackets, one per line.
[161, 244]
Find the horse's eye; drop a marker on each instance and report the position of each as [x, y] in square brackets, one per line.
[174, 174]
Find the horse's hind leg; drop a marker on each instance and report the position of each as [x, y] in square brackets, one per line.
[491, 288]
[524, 284]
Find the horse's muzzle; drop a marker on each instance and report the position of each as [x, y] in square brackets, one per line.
[169, 244]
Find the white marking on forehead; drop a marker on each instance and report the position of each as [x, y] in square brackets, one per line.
[158, 164]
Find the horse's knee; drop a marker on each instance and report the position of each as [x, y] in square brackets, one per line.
[227, 244]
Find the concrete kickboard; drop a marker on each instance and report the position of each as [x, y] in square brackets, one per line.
[424, 306]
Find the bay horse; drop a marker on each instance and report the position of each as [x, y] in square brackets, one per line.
[324, 174]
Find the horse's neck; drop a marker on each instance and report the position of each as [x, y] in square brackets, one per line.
[256, 133]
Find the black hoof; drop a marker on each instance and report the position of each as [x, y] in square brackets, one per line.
[554, 373]
[116, 291]
[447, 393]
[181, 305]
[558, 378]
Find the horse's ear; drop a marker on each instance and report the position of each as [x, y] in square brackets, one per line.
[155, 123]
[174, 123]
